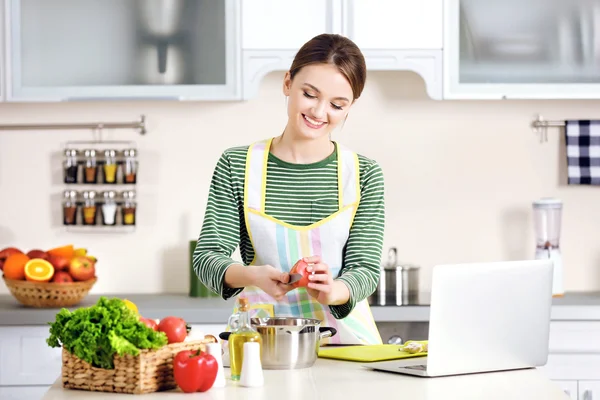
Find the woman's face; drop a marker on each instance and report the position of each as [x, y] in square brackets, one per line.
[319, 99]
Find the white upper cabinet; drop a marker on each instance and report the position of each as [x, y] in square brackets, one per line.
[399, 35]
[393, 35]
[285, 24]
[274, 30]
[395, 24]
[113, 49]
[524, 49]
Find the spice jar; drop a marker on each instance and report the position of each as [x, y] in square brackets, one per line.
[89, 207]
[91, 166]
[130, 166]
[70, 166]
[128, 208]
[70, 207]
[110, 166]
[109, 208]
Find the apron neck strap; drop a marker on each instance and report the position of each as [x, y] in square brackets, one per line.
[255, 185]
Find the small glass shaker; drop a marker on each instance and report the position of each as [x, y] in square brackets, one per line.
[70, 166]
[128, 209]
[89, 207]
[109, 168]
[70, 207]
[109, 208]
[130, 166]
[91, 166]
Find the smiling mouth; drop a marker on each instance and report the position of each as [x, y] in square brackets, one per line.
[314, 124]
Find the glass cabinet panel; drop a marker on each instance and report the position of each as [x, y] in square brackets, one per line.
[75, 49]
[523, 42]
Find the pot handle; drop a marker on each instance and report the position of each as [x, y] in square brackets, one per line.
[326, 332]
[224, 335]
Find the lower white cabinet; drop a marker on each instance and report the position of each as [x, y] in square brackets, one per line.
[25, 357]
[574, 359]
[28, 366]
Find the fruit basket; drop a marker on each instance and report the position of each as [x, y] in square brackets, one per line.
[149, 371]
[49, 294]
[57, 278]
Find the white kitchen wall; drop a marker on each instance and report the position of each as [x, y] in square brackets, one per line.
[460, 178]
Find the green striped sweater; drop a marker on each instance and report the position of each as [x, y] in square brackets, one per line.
[299, 194]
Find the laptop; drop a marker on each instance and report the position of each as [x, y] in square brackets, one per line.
[484, 317]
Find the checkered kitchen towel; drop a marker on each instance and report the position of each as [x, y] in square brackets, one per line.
[583, 152]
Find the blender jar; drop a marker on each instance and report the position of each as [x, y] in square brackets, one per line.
[547, 215]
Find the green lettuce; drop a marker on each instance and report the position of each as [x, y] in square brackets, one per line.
[96, 333]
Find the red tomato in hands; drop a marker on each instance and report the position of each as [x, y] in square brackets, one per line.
[150, 323]
[194, 370]
[175, 328]
[300, 268]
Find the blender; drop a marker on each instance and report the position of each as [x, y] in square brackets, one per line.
[547, 215]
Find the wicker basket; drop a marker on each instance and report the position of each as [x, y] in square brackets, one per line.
[49, 294]
[150, 371]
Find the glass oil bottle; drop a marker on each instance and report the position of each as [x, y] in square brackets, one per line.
[244, 333]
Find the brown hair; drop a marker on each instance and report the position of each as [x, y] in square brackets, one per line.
[334, 49]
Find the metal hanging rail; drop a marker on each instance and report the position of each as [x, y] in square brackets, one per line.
[541, 126]
[139, 125]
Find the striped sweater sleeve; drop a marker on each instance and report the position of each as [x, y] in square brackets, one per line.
[362, 259]
[220, 234]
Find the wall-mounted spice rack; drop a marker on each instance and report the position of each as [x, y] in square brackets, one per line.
[100, 179]
[100, 166]
[91, 208]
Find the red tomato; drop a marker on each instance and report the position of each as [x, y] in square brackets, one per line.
[300, 268]
[194, 370]
[174, 327]
[150, 323]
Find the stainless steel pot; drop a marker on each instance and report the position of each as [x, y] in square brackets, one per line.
[398, 283]
[287, 342]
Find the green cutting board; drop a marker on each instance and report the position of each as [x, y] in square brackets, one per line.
[367, 353]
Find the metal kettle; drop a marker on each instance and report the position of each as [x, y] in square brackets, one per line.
[398, 283]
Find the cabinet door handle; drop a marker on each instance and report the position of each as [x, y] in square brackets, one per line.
[587, 395]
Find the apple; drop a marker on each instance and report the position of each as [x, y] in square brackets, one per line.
[1, 264]
[82, 268]
[60, 263]
[37, 254]
[4, 253]
[62, 277]
[300, 268]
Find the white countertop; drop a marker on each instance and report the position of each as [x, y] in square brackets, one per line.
[331, 379]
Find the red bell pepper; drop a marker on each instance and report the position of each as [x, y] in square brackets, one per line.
[194, 370]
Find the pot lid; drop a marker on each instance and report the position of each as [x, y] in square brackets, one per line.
[393, 263]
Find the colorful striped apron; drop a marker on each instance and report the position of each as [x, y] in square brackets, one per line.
[280, 245]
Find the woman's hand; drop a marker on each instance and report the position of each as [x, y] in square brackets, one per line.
[321, 285]
[272, 281]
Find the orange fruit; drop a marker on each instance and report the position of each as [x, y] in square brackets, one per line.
[38, 270]
[14, 266]
[67, 251]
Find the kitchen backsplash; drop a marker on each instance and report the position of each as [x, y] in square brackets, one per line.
[460, 178]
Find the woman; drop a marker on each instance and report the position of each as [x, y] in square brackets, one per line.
[301, 195]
